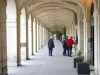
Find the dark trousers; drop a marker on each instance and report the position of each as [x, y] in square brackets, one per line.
[69, 51]
[50, 51]
[64, 51]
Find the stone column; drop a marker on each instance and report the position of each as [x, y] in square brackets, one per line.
[27, 48]
[36, 34]
[3, 42]
[39, 36]
[87, 40]
[46, 35]
[84, 38]
[32, 32]
[49, 35]
[96, 42]
[42, 34]
[18, 39]
[80, 36]
[74, 32]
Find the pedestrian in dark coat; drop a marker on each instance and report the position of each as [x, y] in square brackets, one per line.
[50, 45]
[65, 47]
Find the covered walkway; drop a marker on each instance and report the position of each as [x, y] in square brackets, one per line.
[26, 25]
[42, 64]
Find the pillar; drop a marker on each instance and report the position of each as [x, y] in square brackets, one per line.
[32, 33]
[36, 34]
[73, 31]
[99, 36]
[87, 39]
[68, 30]
[47, 37]
[18, 39]
[97, 41]
[3, 43]
[80, 36]
[42, 34]
[27, 48]
[39, 36]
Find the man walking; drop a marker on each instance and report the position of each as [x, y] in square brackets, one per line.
[65, 47]
[70, 42]
[50, 45]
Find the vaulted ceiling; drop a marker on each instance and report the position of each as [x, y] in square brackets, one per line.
[53, 14]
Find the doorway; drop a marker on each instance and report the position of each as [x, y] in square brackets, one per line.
[92, 37]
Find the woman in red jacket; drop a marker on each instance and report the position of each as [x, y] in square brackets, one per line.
[70, 42]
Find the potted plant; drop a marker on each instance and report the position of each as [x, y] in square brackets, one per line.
[78, 58]
[82, 67]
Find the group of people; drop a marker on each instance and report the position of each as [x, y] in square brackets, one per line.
[67, 45]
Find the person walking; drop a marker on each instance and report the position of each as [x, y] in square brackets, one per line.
[65, 47]
[70, 42]
[51, 45]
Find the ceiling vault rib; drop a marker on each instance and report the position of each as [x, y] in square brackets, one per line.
[54, 15]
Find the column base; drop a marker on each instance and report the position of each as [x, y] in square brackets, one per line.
[32, 53]
[4, 71]
[27, 58]
[19, 65]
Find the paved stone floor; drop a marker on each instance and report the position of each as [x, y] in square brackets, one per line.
[42, 64]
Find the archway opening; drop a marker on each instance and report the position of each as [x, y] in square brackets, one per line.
[30, 38]
[11, 33]
[23, 34]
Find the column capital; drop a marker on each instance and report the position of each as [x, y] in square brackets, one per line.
[80, 22]
[39, 23]
[86, 20]
[32, 17]
[27, 16]
[35, 21]
[18, 12]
